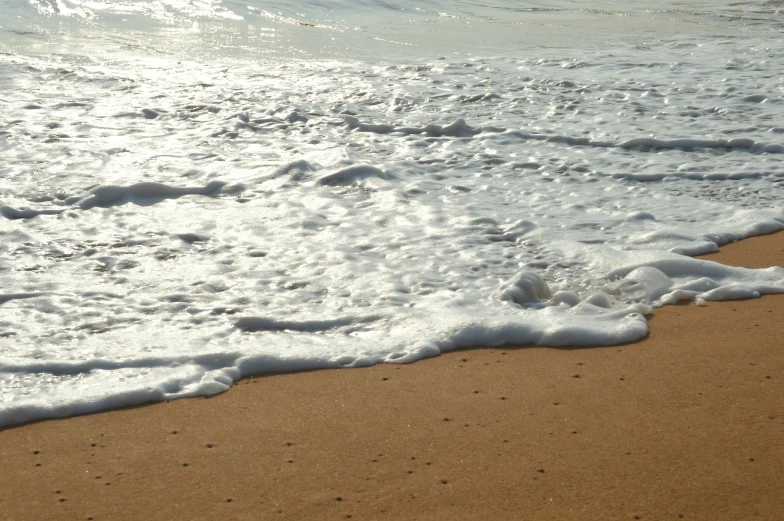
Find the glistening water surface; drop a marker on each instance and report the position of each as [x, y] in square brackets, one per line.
[193, 191]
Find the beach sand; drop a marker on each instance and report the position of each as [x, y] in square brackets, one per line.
[686, 424]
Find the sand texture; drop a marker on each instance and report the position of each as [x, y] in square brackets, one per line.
[687, 424]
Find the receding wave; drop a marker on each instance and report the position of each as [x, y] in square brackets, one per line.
[188, 197]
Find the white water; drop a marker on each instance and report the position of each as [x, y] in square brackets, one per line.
[191, 192]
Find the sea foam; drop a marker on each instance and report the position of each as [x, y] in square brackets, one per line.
[172, 221]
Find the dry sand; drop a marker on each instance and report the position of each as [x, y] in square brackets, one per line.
[687, 424]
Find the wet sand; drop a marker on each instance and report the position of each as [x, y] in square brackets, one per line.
[686, 424]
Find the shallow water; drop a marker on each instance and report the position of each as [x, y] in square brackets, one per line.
[194, 191]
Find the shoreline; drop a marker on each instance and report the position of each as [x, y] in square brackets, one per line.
[684, 424]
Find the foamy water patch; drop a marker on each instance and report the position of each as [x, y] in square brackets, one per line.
[168, 226]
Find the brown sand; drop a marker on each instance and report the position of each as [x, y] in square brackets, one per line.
[687, 424]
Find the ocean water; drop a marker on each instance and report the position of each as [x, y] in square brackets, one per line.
[192, 191]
